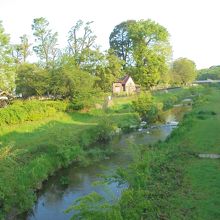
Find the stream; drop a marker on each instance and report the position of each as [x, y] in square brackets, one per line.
[54, 198]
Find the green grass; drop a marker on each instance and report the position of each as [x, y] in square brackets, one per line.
[169, 180]
[202, 175]
[183, 185]
[35, 147]
[33, 150]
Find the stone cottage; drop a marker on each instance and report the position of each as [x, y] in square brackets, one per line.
[124, 85]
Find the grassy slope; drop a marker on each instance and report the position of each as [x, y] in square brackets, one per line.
[202, 176]
[30, 151]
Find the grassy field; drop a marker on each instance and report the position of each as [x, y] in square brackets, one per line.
[202, 176]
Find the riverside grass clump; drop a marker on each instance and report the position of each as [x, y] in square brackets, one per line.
[33, 148]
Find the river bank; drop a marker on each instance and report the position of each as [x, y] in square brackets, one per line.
[170, 180]
[34, 150]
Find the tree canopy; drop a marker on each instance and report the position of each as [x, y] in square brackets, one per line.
[144, 46]
[81, 69]
[7, 73]
[183, 71]
[211, 73]
[45, 41]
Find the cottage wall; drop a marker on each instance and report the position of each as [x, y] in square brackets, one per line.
[125, 85]
[117, 88]
[130, 86]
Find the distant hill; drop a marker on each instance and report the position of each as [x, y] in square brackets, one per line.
[212, 72]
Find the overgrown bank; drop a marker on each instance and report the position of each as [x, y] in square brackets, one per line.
[169, 180]
[49, 139]
[41, 138]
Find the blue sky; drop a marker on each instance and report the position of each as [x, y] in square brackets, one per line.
[193, 24]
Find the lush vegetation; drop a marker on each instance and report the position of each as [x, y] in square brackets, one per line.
[39, 137]
[50, 134]
[211, 73]
[21, 111]
[150, 106]
[169, 180]
[183, 71]
[81, 70]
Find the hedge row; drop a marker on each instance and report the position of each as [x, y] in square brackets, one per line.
[21, 111]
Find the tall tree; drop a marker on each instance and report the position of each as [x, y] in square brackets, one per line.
[7, 72]
[81, 41]
[144, 46]
[23, 50]
[183, 71]
[46, 41]
[120, 41]
[25, 47]
[151, 51]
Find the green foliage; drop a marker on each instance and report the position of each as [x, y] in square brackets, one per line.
[211, 73]
[32, 80]
[144, 46]
[175, 96]
[39, 145]
[151, 51]
[81, 42]
[7, 71]
[72, 83]
[168, 180]
[120, 41]
[22, 51]
[45, 41]
[94, 207]
[147, 108]
[105, 130]
[183, 71]
[20, 112]
[109, 71]
[64, 181]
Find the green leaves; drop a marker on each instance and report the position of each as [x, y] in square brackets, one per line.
[147, 108]
[45, 41]
[94, 207]
[7, 72]
[144, 46]
[183, 71]
[32, 80]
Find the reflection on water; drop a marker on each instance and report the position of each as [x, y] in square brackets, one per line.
[54, 198]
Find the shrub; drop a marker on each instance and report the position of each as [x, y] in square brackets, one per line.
[104, 131]
[147, 108]
[21, 111]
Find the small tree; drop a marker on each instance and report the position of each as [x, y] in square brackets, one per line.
[146, 107]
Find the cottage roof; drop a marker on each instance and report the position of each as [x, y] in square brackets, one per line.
[123, 80]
